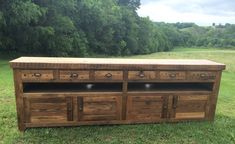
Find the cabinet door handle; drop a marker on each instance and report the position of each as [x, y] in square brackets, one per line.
[80, 102]
[37, 74]
[69, 108]
[175, 100]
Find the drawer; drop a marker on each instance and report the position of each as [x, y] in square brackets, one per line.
[37, 75]
[169, 75]
[202, 75]
[108, 75]
[74, 75]
[140, 75]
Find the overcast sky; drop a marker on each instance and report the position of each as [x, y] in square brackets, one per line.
[201, 12]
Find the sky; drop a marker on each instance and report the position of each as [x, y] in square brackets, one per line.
[201, 12]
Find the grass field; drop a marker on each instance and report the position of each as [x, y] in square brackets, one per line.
[221, 131]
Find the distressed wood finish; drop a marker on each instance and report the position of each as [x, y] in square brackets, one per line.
[108, 75]
[146, 107]
[84, 91]
[37, 75]
[142, 75]
[73, 75]
[170, 75]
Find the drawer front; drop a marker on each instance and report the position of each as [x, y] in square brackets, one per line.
[146, 107]
[202, 75]
[190, 106]
[48, 110]
[74, 75]
[37, 75]
[171, 75]
[108, 75]
[141, 75]
[99, 108]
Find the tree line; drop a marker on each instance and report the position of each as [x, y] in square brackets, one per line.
[96, 27]
[77, 28]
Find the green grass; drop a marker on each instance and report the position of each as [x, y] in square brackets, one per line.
[221, 131]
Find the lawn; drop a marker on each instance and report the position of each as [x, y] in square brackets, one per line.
[221, 131]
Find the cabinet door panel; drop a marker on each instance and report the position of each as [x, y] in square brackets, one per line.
[146, 107]
[191, 106]
[48, 110]
[98, 108]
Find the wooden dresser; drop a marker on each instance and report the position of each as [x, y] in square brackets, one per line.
[86, 91]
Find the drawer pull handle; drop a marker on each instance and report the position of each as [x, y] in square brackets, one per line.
[203, 75]
[172, 75]
[80, 102]
[175, 99]
[74, 75]
[108, 75]
[141, 74]
[37, 74]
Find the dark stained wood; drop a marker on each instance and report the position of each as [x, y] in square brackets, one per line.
[58, 92]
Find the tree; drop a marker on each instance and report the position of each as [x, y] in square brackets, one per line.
[133, 4]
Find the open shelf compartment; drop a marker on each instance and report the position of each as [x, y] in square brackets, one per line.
[187, 86]
[72, 87]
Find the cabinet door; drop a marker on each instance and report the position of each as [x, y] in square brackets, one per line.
[146, 107]
[48, 110]
[99, 108]
[190, 106]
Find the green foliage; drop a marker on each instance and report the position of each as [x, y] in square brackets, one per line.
[212, 36]
[133, 4]
[96, 27]
[78, 28]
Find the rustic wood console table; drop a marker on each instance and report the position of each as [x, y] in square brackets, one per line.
[85, 91]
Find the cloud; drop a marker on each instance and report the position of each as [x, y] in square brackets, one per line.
[199, 11]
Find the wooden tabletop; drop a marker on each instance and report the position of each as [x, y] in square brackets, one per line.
[96, 63]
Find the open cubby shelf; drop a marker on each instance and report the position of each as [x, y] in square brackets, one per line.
[72, 87]
[115, 87]
[189, 86]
